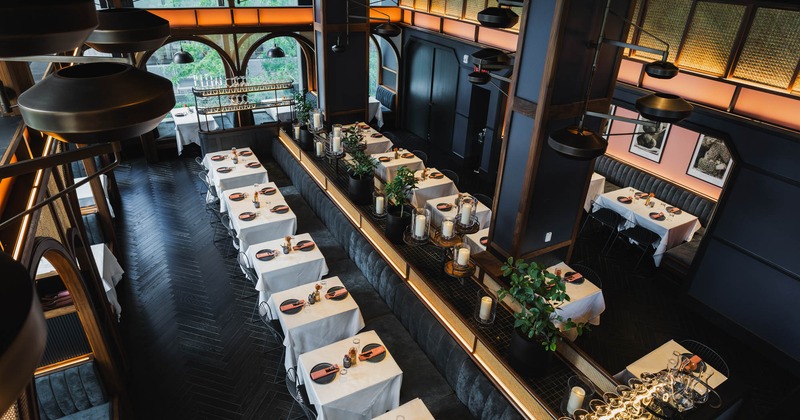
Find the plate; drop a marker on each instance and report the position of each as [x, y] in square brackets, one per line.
[283, 209]
[674, 210]
[217, 158]
[253, 165]
[570, 273]
[224, 170]
[384, 159]
[325, 379]
[641, 195]
[376, 135]
[269, 190]
[237, 196]
[340, 297]
[305, 242]
[408, 155]
[246, 153]
[266, 254]
[657, 216]
[436, 175]
[247, 216]
[376, 359]
[444, 206]
[180, 114]
[485, 240]
[624, 200]
[293, 310]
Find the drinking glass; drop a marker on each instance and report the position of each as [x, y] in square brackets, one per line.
[357, 341]
[343, 371]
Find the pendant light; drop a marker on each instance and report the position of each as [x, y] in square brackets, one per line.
[128, 29]
[275, 52]
[500, 17]
[387, 29]
[36, 27]
[182, 57]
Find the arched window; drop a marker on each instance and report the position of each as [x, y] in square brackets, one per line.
[207, 64]
[264, 69]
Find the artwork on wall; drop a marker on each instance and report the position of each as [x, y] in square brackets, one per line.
[607, 124]
[711, 160]
[649, 142]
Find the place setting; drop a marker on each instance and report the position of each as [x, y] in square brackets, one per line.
[324, 373]
[266, 254]
[248, 216]
[224, 169]
[304, 246]
[292, 306]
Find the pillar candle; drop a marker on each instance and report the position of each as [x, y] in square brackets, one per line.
[379, 203]
[419, 226]
[319, 148]
[296, 132]
[317, 120]
[466, 213]
[576, 396]
[337, 130]
[486, 308]
[337, 144]
[463, 257]
[447, 228]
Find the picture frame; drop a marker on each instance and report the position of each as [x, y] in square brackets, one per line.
[711, 160]
[649, 142]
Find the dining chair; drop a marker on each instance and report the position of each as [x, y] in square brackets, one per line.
[210, 197]
[485, 199]
[606, 217]
[299, 394]
[588, 273]
[639, 237]
[199, 161]
[450, 174]
[230, 236]
[708, 355]
[249, 274]
[422, 155]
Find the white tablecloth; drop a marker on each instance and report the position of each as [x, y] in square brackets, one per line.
[387, 170]
[430, 188]
[368, 389]
[286, 271]
[412, 410]
[673, 230]
[586, 301]
[186, 127]
[483, 213]
[474, 240]
[240, 176]
[111, 273]
[317, 325]
[380, 144]
[657, 360]
[375, 111]
[267, 225]
[596, 187]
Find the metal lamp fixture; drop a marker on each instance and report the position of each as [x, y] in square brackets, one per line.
[44, 26]
[576, 141]
[500, 17]
[275, 52]
[385, 29]
[484, 61]
[128, 30]
[182, 57]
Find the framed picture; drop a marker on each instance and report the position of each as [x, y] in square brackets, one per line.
[711, 161]
[607, 124]
[649, 142]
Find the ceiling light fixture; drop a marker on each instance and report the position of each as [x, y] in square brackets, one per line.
[500, 17]
[275, 51]
[182, 57]
[127, 30]
[44, 26]
[485, 60]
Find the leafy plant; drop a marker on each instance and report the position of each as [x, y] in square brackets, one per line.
[352, 137]
[397, 189]
[302, 107]
[361, 164]
[538, 293]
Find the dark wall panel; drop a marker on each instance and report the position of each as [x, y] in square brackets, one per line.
[510, 191]
[537, 30]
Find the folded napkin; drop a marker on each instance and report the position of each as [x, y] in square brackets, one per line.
[224, 169]
[247, 216]
[336, 293]
[253, 165]
[324, 372]
[308, 244]
[436, 175]
[407, 155]
[371, 353]
[673, 210]
[265, 254]
[279, 208]
[217, 158]
[290, 306]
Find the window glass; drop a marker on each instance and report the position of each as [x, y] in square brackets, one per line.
[263, 69]
[266, 3]
[169, 4]
[374, 67]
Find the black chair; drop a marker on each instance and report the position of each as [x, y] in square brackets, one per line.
[708, 355]
[231, 240]
[299, 394]
[249, 274]
[422, 155]
[450, 174]
[639, 237]
[199, 161]
[606, 217]
[485, 199]
[588, 273]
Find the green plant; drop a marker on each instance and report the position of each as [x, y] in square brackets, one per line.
[352, 137]
[538, 293]
[361, 164]
[302, 107]
[397, 189]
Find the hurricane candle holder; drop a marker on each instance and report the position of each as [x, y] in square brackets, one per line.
[485, 307]
[316, 119]
[378, 204]
[466, 217]
[420, 224]
[448, 227]
[296, 130]
[461, 254]
[337, 130]
[578, 393]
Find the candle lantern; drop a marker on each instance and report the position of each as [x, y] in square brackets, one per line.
[467, 210]
[578, 393]
[448, 227]
[378, 204]
[420, 224]
[485, 307]
[461, 254]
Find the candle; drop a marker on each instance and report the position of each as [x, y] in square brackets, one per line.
[337, 130]
[337, 144]
[447, 228]
[466, 213]
[576, 397]
[463, 257]
[319, 147]
[419, 226]
[317, 120]
[379, 203]
[296, 132]
[486, 308]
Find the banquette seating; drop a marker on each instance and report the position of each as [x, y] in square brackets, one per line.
[74, 393]
[387, 99]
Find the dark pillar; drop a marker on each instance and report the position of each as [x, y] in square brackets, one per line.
[540, 193]
[342, 77]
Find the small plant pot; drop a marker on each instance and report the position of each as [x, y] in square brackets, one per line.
[360, 189]
[528, 356]
[306, 140]
[396, 224]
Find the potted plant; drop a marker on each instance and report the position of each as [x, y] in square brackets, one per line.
[536, 325]
[361, 168]
[398, 217]
[303, 109]
[352, 139]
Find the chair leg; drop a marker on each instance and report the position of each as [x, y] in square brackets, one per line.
[613, 241]
[611, 234]
[584, 224]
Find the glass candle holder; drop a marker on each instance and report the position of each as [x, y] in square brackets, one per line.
[337, 130]
[461, 254]
[420, 224]
[578, 393]
[467, 210]
[485, 307]
[378, 204]
[316, 119]
[319, 147]
[336, 144]
[448, 227]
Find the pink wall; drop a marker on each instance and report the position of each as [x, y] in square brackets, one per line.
[674, 160]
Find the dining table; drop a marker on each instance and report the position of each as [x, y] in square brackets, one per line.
[483, 213]
[188, 125]
[374, 110]
[586, 301]
[672, 228]
[475, 241]
[412, 410]
[273, 219]
[248, 170]
[310, 327]
[434, 185]
[285, 271]
[388, 165]
[365, 390]
[658, 359]
[376, 142]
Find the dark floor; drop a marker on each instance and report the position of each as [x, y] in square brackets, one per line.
[193, 351]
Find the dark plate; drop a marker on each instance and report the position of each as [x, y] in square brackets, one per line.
[340, 297]
[325, 379]
[408, 155]
[701, 367]
[375, 359]
[246, 153]
[217, 158]
[385, 159]
[236, 196]
[436, 175]
[674, 210]
[484, 240]
[253, 165]
[569, 273]
[656, 216]
[247, 216]
[376, 135]
[444, 206]
[291, 311]
[284, 209]
[180, 114]
[311, 248]
[641, 195]
[269, 190]
[266, 257]
[224, 170]
[624, 200]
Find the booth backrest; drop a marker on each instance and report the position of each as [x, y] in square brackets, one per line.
[385, 97]
[621, 174]
[72, 391]
[470, 385]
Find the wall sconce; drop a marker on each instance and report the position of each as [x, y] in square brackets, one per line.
[500, 17]
[576, 141]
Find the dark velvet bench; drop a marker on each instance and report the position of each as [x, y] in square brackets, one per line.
[435, 368]
[74, 393]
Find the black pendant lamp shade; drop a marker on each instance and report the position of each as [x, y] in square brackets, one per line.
[276, 52]
[663, 107]
[577, 143]
[24, 332]
[491, 59]
[128, 30]
[661, 70]
[97, 102]
[479, 77]
[387, 29]
[37, 27]
[498, 17]
[182, 57]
